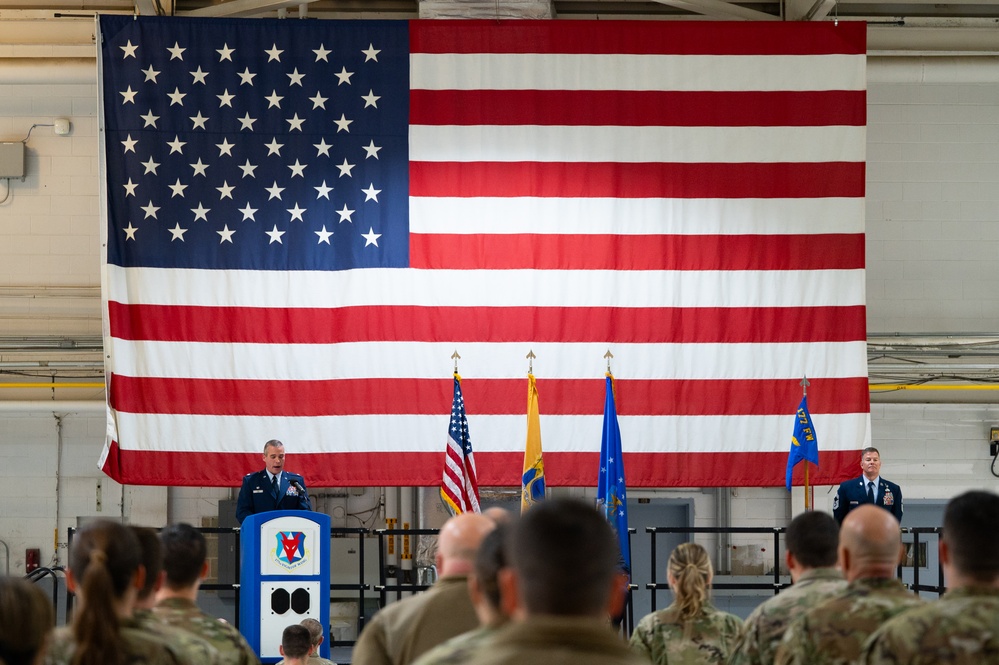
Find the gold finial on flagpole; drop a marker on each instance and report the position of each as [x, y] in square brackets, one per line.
[530, 361]
[804, 383]
[455, 357]
[608, 356]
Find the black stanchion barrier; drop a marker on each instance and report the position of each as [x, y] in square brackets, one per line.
[938, 588]
[360, 587]
[54, 572]
[384, 587]
[776, 585]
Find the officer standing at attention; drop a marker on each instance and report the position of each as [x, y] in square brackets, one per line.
[272, 488]
[870, 487]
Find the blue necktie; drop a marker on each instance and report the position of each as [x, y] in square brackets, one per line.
[274, 486]
[870, 491]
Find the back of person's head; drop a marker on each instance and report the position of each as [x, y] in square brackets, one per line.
[565, 555]
[812, 537]
[690, 571]
[152, 558]
[26, 617]
[296, 641]
[969, 529]
[184, 554]
[459, 541]
[315, 629]
[103, 561]
[490, 559]
[870, 543]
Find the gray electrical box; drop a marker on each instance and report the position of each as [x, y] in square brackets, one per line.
[12, 160]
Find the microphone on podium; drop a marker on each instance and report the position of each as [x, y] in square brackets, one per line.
[298, 486]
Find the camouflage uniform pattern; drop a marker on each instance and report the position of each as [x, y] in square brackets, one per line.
[458, 649]
[185, 615]
[960, 628]
[194, 649]
[713, 635]
[833, 632]
[765, 626]
[139, 646]
[553, 640]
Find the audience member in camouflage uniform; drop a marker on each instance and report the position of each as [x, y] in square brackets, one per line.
[483, 587]
[559, 590]
[833, 632]
[401, 632]
[104, 573]
[810, 544]
[962, 628]
[195, 650]
[26, 618]
[185, 563]
[690, 630]
[316, 638]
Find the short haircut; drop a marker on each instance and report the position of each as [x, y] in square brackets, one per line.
[152, 557]
[315, 630]
[969, 529]
[869, 449]
[566, 557]
[184, 554]
[273, 443]
[490, 558]
[812, 537]
[296, 641]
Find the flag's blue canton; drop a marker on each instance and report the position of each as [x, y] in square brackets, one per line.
[612, 497]
[459, 422]
[804, 445]
[256, 144]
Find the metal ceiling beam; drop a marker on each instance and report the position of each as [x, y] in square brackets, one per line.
[719, 9]
[244, 7]
[819, 10]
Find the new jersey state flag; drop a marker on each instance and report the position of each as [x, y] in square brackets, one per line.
[303, 219]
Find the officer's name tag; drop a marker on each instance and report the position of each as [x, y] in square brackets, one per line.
[258, 491]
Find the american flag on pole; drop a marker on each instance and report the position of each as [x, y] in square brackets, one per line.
[303, 219]
[459, 489]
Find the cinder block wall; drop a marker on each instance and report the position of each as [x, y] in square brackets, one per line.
[933, 233]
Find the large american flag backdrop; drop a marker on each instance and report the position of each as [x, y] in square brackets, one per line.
[305, 219]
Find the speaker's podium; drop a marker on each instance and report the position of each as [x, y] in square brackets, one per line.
[284, 577]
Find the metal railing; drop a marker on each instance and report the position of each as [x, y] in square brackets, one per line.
[39, 574]
[385, 588]
[775, 586]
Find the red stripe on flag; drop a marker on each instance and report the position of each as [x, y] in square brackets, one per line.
[619, 325]
[737, 469]
[636, 37]
[639, 108]
[636, 252]
[637, 180]
[344, 397]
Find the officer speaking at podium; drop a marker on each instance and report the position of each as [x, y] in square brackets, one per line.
[272, 488]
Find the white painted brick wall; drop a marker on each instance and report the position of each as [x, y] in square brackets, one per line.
[933, 236]
[932, 214]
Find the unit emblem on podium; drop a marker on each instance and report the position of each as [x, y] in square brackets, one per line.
[290, 552]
